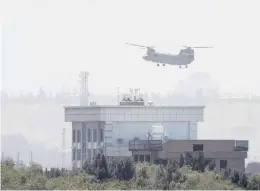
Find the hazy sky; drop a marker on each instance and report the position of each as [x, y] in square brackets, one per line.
[46, 43]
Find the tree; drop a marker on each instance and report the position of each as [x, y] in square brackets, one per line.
[101, 168]
[188, 160]
[89, 167]
[160, 178]
[9, 162]
[243, 181]
[181, 163]
[200, 162]
[235, 178]
[142, 177]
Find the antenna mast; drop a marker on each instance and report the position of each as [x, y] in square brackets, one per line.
[84, 88]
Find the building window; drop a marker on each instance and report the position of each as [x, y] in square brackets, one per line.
[89, 154]
[83, 132]
[73, 136]
[95, 135]
[223, 164]
[94, 153]
[147, 158]
[101, 151]
[73, 154]
[101, 135]
[141, 158]
[78, 154]
[89, 135]
[197, 147]
[78, 136]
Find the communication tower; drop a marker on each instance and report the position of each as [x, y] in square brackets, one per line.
[84, 88]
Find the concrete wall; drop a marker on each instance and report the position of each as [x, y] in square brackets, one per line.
[215, 150]
[209, 145]
[135, 113]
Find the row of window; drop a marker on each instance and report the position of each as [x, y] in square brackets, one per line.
[92, 153]
[92, 135]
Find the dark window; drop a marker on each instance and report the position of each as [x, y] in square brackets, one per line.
[89, 135]
[73, 154]
[89, 154]
[73, 136]
[141, 158]
[101, 151]
[136, 158]
[78, 154]
[83, 132]
[84, 150]
[94, 153]
[147, 158]
[101, 135]
[223, 164]
[210, 164]
[197, 147]
[95, 135]
[78, 136]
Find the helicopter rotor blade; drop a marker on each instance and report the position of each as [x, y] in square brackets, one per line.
[136, 45]
[197, 47]
[201, 47]
[141, 46]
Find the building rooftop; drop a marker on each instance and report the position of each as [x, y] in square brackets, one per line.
[135, 106]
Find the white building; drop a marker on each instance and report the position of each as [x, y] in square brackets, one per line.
[97, 128]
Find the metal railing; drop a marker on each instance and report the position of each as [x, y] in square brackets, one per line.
[135, 145]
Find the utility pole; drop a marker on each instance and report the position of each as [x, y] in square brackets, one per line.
[84, 94]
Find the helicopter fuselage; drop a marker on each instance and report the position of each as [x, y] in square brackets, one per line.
[171, 59]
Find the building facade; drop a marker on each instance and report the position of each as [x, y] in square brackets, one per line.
[108, 129]
[223, 154]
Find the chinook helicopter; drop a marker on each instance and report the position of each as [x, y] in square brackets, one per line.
[183, 58]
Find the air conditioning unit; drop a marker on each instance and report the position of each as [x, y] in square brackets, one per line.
[150, 103]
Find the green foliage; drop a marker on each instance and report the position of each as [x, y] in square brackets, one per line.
[98, 167]
[181, 162]
[254, 182]
[122, 170]
[125, 175]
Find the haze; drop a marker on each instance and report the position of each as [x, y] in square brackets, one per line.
[47, 43]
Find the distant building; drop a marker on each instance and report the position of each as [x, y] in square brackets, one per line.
[97, 129]
[223, 154]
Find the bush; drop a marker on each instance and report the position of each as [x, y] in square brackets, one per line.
[126, 175]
